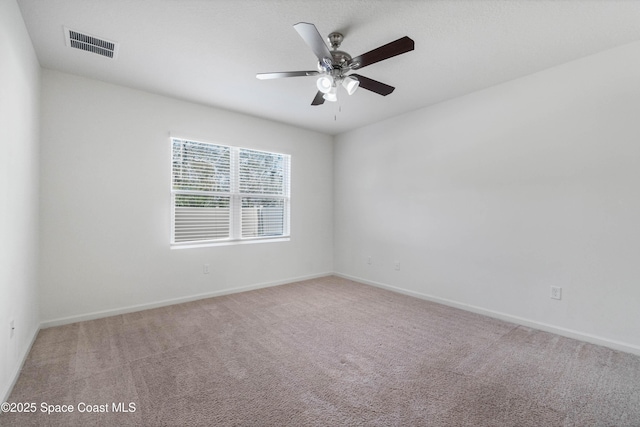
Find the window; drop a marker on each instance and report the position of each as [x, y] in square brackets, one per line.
[227, 194]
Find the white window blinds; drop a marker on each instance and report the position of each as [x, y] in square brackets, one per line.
[222, 193]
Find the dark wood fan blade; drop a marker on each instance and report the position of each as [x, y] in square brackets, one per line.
[318, 100]
[279, 75]
[373, 85]
[389, 50]
[312, 37]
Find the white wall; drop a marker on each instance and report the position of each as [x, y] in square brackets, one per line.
[105, 204]
[19, 129]
[489, 199]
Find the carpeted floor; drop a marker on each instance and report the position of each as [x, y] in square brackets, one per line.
[325, 352]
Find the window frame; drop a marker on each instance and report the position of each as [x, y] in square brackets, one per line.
[236, 198]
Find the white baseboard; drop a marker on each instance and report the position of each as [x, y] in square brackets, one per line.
[6, 393]
[140, 307]
[569, 333]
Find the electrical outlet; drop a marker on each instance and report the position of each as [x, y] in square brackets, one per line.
[556, 292]
[396, 264]
[12, 326]
[205, 269]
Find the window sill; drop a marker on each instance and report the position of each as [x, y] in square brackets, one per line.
[228, 243]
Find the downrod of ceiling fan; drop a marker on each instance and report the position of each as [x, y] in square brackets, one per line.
[335, 40]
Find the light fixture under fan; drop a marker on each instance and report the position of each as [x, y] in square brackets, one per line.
[333, 65]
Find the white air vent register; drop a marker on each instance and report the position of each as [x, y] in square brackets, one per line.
[89, 43]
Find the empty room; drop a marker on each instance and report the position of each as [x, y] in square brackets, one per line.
[304, 213]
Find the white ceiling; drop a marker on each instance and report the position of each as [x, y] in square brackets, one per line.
[209, 51]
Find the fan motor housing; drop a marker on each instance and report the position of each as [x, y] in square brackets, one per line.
[340, 57]
[338, 61]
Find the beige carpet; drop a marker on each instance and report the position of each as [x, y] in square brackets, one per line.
[325, 352]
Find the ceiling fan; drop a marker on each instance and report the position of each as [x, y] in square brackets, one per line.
[334, 65]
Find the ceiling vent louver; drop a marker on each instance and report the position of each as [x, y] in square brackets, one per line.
[78, 40]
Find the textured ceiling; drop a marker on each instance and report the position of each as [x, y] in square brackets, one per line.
[208, 51]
